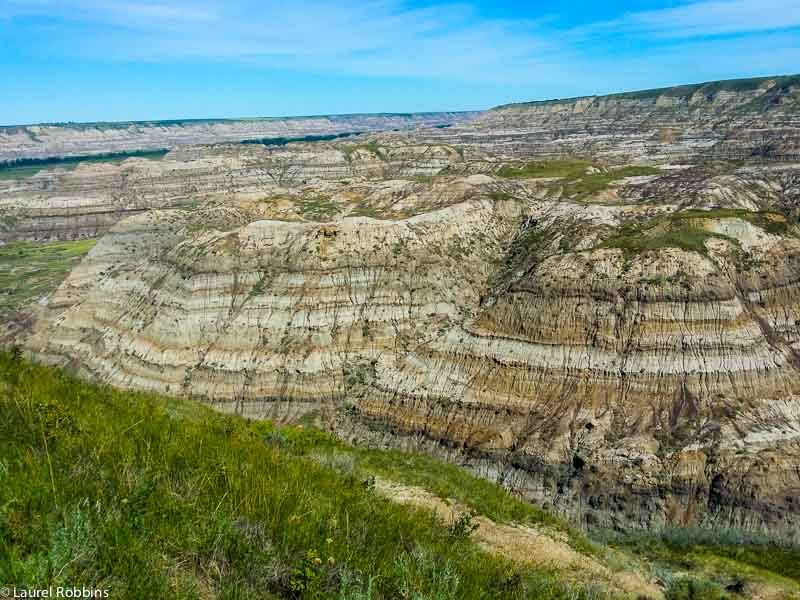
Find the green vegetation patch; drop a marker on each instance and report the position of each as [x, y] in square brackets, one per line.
[373, 147]
[770, 221]
[424, 179]
[546, 168]
[447, 481]
[711, 563]
[684, 230]
[578, 184]
[150, 497]
[317, 207]
[29, 271]
[588, 185]
[634, 239]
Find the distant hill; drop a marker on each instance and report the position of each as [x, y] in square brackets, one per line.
[63, 140]
[776, 84]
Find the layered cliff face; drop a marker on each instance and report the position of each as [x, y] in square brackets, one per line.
[728, 119]
[61, 204]
[628, 364]
[82, 139]
[615, 336]
[226, 305]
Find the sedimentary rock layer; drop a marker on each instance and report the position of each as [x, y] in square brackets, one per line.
[629, 388]
[84, 139]
[59, 204]
[618, 342]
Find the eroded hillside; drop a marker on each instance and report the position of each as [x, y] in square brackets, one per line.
[561, 297]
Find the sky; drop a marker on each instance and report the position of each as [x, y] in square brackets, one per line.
[96, 60]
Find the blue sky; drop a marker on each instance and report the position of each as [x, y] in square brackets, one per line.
[85, 60]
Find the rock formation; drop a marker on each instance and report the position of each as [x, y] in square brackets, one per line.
[621, 344]
[86, 139]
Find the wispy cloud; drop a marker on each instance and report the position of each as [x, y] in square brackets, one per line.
[450, 40]
[708, 18]
[354, 37]
[376, 37]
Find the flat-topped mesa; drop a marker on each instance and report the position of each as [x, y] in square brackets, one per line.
[703, 102]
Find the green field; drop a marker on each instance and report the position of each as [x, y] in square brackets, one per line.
[29, 271]
[684, 229]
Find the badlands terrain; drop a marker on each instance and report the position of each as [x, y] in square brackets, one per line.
[592, 302]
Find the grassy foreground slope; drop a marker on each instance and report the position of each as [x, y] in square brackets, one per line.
[151, 497]
[156, 498]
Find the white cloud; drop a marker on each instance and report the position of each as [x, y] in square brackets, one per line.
[706, 18]
[378, 37]
[388, 38]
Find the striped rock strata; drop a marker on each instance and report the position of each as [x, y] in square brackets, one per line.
[81, 139]
[59, 204]
[628, 365]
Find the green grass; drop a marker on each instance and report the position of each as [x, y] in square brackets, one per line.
[710, 559]
[424, 179]
[151, 497]
[588, 185]
[683, 229]
[317, 207]
[29, 271]
[770, 221]
[634, 239]
[674, 545]
[373, 147]
[451, 481]
[578, 184]
[546, 168]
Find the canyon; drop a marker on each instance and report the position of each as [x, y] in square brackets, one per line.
[20, 142]
[594, 302]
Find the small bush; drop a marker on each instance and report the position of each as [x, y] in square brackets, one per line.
[686, 588]
[464, 525]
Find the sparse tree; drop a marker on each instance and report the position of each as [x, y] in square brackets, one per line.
[279, 170]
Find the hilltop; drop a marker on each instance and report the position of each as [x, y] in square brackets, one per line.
[686, 91]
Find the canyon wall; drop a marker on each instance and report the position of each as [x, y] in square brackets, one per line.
[86, 139]
[616, 338]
